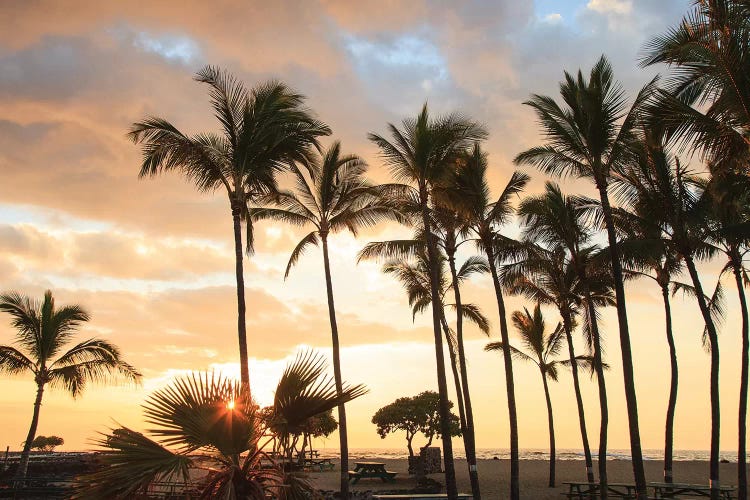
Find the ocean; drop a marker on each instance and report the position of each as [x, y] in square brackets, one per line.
[531, 454]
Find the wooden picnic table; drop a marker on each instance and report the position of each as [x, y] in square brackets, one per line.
[420, 496]
[675, 490]
[321, 464]
[370, 470]
[584, 489]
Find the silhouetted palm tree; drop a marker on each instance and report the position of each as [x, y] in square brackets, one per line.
[549, 277]
[447, 232]
[658, 184]
[262, 130]
[482, 217]
[706, 102]
[42, 332]
[423, 153]
[730, 233]
[590, 137]
[553, 218]
[415, 278]
[544, 346]
[207, 423]
[645, 254]
[331, 195]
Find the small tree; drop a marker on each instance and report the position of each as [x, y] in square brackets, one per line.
[415, 415]
[47, 443]
[321, 425]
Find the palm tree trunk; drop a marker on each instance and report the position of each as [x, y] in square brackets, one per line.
[241, 327]
[509, 384]
[469, 437]
[669, 430]
[627, 355]
[714, 343]
[23, 464]
[579, 399]
[456, 376]
[551, 433]
[602, 386]
[445, 428]
[742, 432]
[343, 438]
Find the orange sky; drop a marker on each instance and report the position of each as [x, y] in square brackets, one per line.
[152, 260]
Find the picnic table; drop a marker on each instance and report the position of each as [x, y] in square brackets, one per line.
[420, 496]
[319, 464]
[675, 490]
[370, 470]
[35, 487]
[587, 490]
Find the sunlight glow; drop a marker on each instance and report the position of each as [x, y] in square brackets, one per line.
[230, 405]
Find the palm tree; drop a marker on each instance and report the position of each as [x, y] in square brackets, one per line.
[205, 422]
[422, 153]
[415, 278]
[543, 346]
[448, 237]
[549, 277]
[482, 218]
[646, 255]
[658, 184]
[706, 103]
[590, 138]
[331, 195]
[729, 223]
[556, 219]
[42, 332]
[263, 129]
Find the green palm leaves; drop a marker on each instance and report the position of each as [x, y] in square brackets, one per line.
[42, 333]
[705, 102]
[206, 422]
[304, 391]
[262, 130]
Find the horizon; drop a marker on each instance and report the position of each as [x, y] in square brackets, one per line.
[152, 259]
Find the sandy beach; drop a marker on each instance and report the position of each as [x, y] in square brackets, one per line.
[494, 474]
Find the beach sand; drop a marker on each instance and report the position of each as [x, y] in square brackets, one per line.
[494, 474]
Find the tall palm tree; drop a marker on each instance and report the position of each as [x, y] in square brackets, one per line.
[482, 217]
[556, 219]
[262, 130]
[448, 238]
[645, 254]
[422, 153]
[42, 332]
[331, 195]
[210, 424]
[706, 102]
[730, 234]
[415, 278]
[549, 277]
[658, 184]
[590, 137]
[544, 346]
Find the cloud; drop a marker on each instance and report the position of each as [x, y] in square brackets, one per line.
[610, 6]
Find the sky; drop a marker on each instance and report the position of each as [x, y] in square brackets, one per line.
[152, 259]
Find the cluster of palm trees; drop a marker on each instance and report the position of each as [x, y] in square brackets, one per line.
[659, 217]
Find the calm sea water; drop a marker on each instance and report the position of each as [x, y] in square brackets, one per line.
[531, 454]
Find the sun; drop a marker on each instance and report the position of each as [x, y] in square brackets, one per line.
[230, 405]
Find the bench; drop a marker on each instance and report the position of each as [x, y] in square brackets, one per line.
[678, 490]
[321, 465]
[384, 475]
[37, 488]
[584, 489]
[420, 496]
